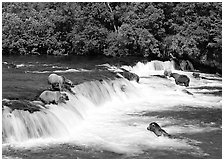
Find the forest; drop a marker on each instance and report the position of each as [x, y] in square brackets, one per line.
[152, 30]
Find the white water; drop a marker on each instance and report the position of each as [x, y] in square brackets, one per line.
[60, 71]
[103, 115]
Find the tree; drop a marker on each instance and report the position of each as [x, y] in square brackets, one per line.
[153, 30]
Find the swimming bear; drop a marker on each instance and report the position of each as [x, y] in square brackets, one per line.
[60, 83]
[180, 79]
[154, 127]
[54, 97]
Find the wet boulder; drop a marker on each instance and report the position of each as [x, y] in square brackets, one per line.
[24, 105]
[8, 65]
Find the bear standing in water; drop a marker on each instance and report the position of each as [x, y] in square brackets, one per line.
[129, 75]
[180, 79]
[54, 97]
[56, 81]
[59, 83]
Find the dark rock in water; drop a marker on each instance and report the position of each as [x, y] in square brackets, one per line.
[8, 65]
[180, 79]
[123, 88]
[21, 105]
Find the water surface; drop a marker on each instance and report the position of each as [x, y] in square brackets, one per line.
[108, 117]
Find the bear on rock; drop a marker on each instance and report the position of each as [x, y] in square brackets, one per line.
[53, 97]
[60, 83]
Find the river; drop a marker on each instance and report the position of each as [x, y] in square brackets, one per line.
[108, 116]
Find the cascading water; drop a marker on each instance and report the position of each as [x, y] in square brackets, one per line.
[60, 121]
[151, 68]
[113, 114]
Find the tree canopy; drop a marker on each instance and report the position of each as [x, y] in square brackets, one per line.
[149, 29]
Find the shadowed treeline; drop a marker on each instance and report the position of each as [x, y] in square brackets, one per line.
[190, 31]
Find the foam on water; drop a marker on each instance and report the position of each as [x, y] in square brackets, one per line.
[108, 114]
[60, 71]
[150, 68]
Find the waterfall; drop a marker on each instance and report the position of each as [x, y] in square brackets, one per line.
[112, 115]
[61, 120]
[151, 68]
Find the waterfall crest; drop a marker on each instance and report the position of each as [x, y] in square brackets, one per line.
[60, 120]
[113, 114]
[151, 68]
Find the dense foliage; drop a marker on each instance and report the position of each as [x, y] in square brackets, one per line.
[187, 30]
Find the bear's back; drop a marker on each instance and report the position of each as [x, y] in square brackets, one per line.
[54, 78]
[49, 96]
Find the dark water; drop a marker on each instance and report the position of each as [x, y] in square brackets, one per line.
[204, 123]
[211, 141]
[13, 77]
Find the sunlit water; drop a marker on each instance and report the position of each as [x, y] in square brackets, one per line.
[108, 119]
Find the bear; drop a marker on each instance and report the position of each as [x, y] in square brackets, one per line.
[68, 82]
[154, 127]
[196, 75]
[167, 72]
[53, 97]
[186, 65]
[180, 79]
[59, 83]
[56, 81]
[129, 76]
